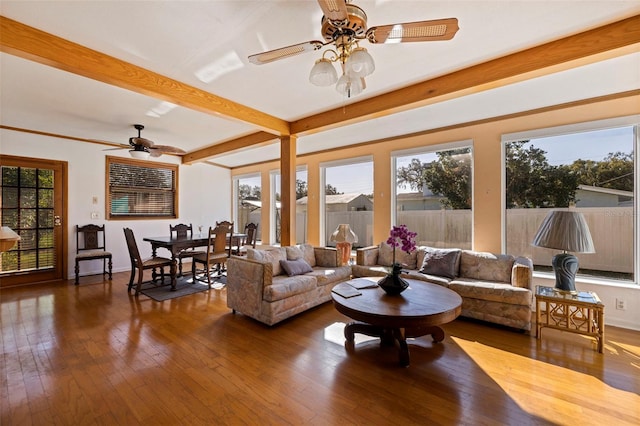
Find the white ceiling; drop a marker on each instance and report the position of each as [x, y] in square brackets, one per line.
[184, 39]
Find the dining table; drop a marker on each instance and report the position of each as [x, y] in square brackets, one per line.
[176, 244]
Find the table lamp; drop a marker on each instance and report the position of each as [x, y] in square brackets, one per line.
[8, 238]
[566, 231]
[344, 237]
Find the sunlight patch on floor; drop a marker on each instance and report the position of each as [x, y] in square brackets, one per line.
[517, 376]
[335, 334]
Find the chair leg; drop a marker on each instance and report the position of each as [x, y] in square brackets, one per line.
[179, 266]
[139, 286]
[110, 268]
[77, 272]
[172, 272]
[133, 274]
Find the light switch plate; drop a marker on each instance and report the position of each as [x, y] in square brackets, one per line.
[94, 215]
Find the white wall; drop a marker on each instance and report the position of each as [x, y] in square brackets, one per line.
[205, 194]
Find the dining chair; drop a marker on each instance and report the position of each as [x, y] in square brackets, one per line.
[140, 265]
[251, 231]
[230, 239]
[217, 253]
[183, 230]
[90, 245]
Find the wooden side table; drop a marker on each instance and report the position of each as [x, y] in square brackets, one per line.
[581, 313]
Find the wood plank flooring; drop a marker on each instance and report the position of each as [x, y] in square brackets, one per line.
[93, 354]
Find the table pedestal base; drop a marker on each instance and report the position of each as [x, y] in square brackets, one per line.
[389, 336]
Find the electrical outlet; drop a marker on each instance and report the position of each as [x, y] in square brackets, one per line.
[94, 215]
[621, 304]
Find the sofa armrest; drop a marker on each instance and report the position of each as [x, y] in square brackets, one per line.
[522, 273]
[326, 257]
[367, 256]
[246, 281]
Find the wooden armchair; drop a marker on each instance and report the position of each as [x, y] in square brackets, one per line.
[182, 230]
[217, 253]
[90, 245]
[139, 265]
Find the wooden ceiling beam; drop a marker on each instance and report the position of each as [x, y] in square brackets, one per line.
[236, 144]
[36, 45]
[488, 75]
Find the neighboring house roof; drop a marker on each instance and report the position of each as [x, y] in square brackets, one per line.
[257, 203]
[335, 199]
[601, 190]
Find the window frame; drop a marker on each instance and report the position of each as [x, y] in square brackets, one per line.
[431, 149]
[173, 168]
[589, 126]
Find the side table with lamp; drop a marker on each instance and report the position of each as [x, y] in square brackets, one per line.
[562, 307]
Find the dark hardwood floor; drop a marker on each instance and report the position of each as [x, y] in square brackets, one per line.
[93, 354]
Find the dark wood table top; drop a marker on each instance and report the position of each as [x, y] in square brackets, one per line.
[421, 305]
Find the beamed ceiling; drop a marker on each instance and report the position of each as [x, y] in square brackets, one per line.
[88, 71]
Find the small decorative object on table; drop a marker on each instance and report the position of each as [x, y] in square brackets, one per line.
[401, 237]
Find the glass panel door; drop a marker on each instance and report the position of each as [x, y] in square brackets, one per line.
[32, 206]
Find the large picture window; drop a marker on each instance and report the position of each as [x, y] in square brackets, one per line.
[348, 198]
[141, 190]
[434, 194]
[588, 170]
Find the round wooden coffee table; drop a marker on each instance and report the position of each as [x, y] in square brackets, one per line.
[418, 311]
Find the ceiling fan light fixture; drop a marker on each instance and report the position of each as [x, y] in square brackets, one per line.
[323, 73]
[139, 155]
[350, 86]
[360, 63]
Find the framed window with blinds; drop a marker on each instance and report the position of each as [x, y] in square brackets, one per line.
[141, 189]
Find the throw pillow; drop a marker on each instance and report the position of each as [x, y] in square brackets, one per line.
[441, 262]
[304, 251]
[295, 267]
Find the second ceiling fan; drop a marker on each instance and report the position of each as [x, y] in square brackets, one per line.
[344, 25]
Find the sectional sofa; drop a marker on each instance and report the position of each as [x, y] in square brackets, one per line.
[494, 287]
[269, 285]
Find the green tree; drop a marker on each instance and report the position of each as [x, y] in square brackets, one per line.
[532, 182]
[449, 176]
[614, 172]
[246, 192]
[331, 190]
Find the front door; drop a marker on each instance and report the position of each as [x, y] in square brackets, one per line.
[34, 193]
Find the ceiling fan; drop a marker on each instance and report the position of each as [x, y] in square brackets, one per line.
[344, 25]
[141, 148]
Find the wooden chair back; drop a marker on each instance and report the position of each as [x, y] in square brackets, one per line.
[134, 253]
[251, 229]
[90, 237]
[218, 238]
[181, 230]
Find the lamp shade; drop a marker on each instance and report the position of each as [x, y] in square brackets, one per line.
[360, 63]
[350, 86]
[323, 73]
[344, 234]
[564, 230]
[8, 238]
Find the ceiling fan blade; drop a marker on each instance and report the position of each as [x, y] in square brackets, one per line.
[285, 52]
[335, 11]
[438, 29]
[167, 149]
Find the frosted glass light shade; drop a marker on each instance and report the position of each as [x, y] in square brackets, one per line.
[348, 86]
[139, 155]
[323, 73]
[360, 63]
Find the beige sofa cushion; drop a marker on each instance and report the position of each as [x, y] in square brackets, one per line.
[284, 286]
[385, 257]
[273, 256]
[493, 291]
[304, 251]
[486, 266]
